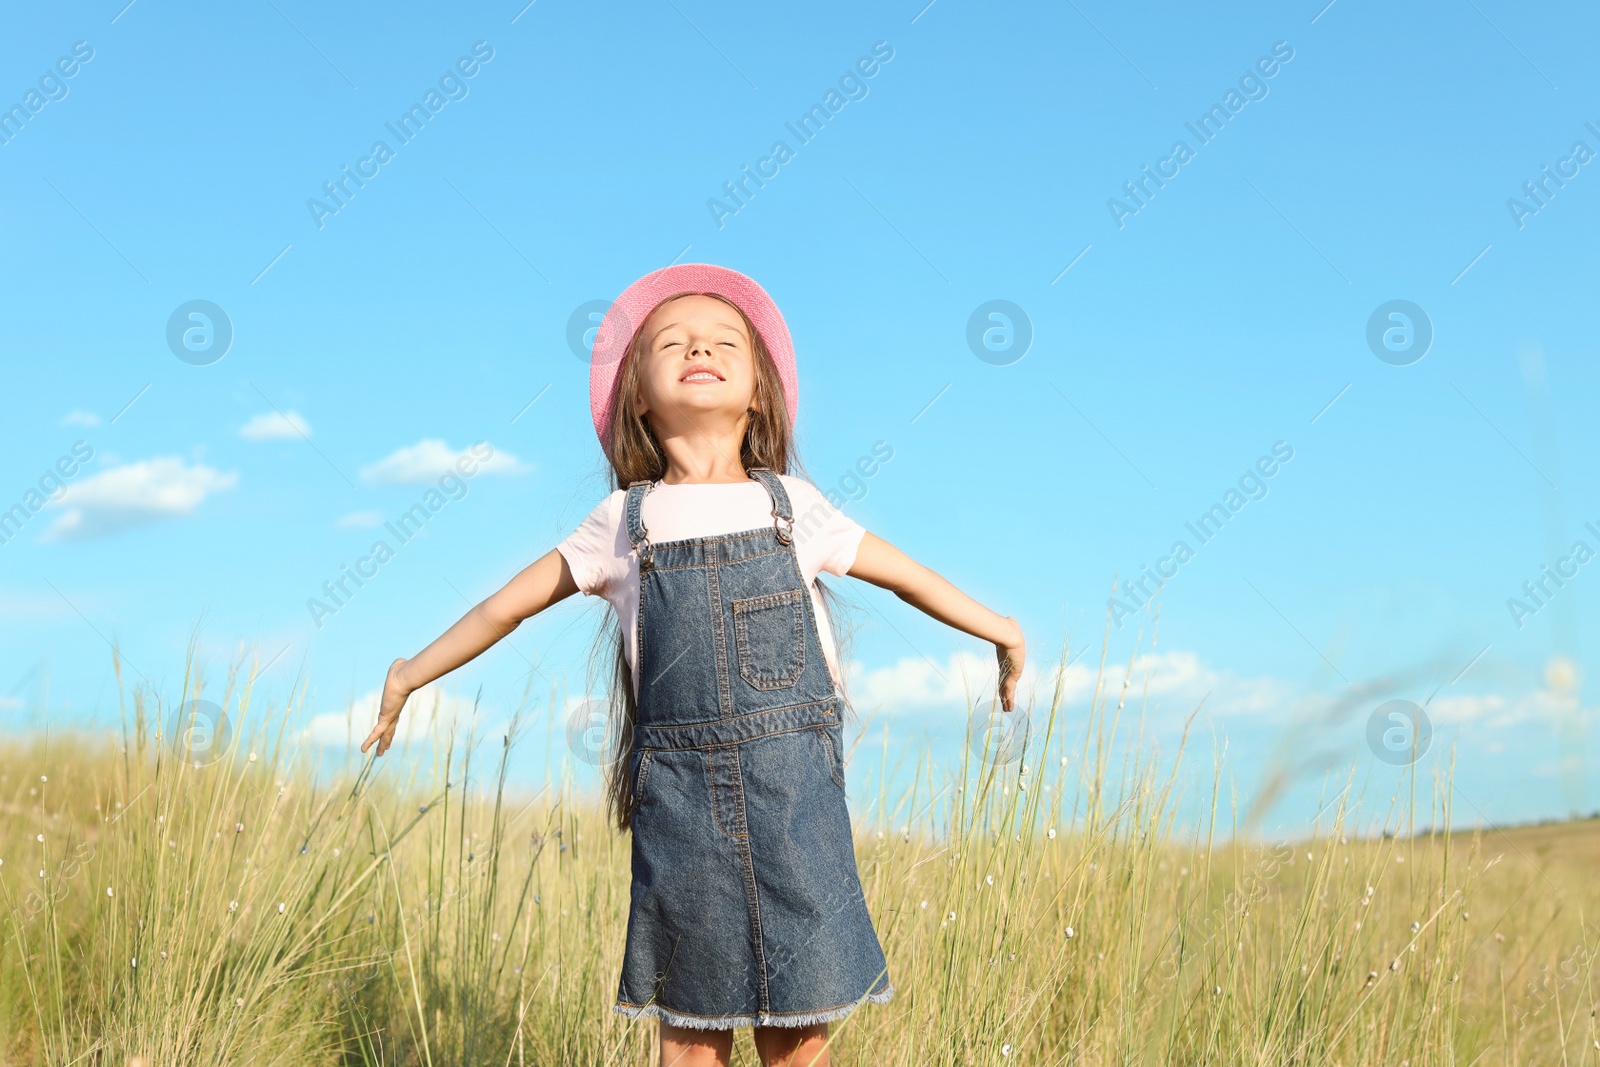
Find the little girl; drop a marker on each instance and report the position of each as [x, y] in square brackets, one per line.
[746, 905]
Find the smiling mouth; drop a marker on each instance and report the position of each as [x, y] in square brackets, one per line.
[698, 376]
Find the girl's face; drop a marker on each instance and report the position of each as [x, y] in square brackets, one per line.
[697, 368]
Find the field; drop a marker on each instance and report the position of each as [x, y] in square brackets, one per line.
[250, 910]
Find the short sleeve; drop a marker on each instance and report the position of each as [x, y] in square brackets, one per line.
[591, 549]
[826, 535]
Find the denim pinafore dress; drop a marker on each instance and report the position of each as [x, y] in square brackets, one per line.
[746, 906]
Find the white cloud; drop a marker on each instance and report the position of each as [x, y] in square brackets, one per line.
[430, 459]
[81, 418]
[1182, 678]
[1465, 707]
[1495, 711]
[275, 426]
[10, 704]
[1172, 678]
[920, 682]
[430, 714]
[1177, 682]
[18, 605]
[133, 495]
[359, 520]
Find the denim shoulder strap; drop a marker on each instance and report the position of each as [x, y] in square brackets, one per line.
[635, 515]
[782, 510]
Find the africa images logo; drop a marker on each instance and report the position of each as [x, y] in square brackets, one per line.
[1252, 86]
[852, 85]
[452, 86]
[1253, 484]
[52, 88]
[452, 485]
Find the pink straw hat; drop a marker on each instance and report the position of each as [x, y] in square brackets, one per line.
[628, 312]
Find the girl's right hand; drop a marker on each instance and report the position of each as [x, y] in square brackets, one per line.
[395, 693]
[1010, 654]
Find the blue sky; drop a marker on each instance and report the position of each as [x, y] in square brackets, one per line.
[1177, 336]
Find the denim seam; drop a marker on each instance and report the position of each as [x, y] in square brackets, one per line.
[735, 744]
[720, 637]
[741, 636]
[778, 596]
[706, 746]
[711, 788]
[753, 898]
[706, 563]
[638, 649]
[829, 699]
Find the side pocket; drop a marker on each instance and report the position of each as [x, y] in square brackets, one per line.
[641, 774]
[835, 757]
[769, 635]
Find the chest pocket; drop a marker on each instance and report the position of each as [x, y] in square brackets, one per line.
[769, 632]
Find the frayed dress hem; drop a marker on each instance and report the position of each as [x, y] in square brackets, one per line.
[729, 1022]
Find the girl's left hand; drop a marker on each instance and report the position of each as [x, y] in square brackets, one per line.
[1011, 654]
[395, 694]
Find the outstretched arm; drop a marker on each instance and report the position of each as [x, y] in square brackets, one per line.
[882, 564]
[540, 584]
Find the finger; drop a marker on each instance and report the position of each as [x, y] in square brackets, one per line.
[377, 730]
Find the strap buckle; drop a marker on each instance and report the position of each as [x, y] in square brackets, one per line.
[645, 548]
[784, 535]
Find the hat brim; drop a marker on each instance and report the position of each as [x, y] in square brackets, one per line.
[627, 313]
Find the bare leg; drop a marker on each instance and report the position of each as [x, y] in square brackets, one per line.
[682, 1046]
[793, 1046]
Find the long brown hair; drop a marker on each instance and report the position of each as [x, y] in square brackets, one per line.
[636, 455]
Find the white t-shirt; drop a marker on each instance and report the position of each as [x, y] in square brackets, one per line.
[603, 562]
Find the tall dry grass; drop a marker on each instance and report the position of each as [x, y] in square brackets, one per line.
[262, 910]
